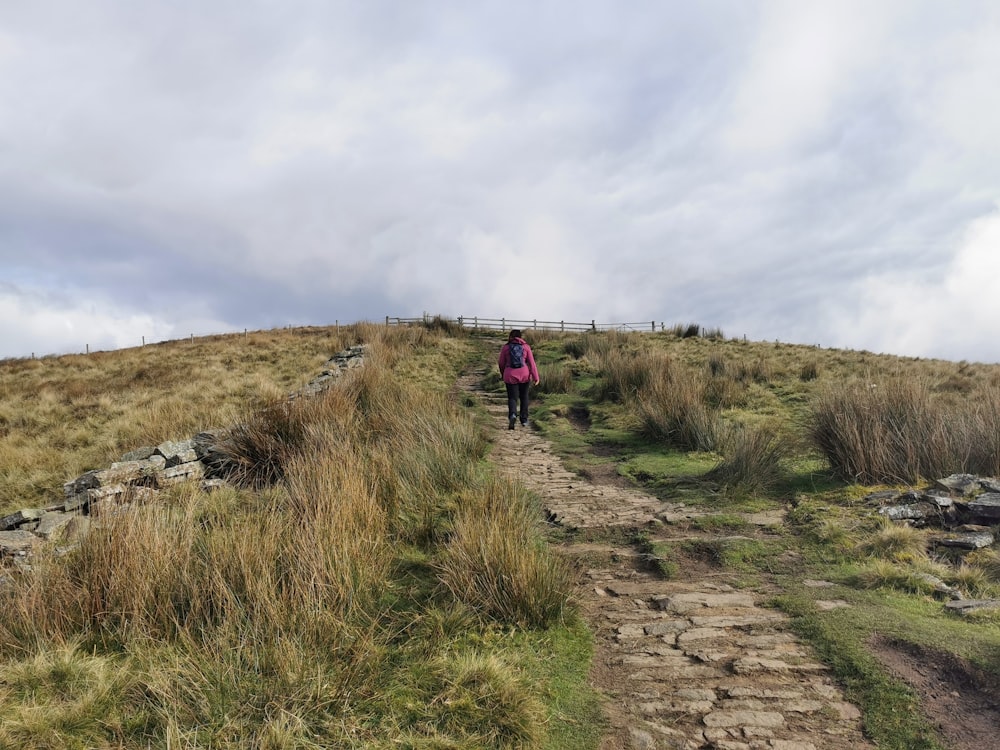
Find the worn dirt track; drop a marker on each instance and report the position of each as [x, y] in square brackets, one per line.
[686, 663]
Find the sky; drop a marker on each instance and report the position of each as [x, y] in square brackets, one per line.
[822, 172]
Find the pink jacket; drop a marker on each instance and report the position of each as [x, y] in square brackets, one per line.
[528, 373]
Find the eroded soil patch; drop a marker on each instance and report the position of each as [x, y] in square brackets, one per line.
[960, 701]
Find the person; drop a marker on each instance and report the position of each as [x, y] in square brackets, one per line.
[517, 378]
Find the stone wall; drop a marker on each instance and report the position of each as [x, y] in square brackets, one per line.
[136, 478]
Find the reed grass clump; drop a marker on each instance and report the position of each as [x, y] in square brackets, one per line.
[895, 542]
[895, 430]
[496, 561]
[672, 408]
[752, 457]
[554, 378]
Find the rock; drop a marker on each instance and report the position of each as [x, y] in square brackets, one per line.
[970, 605]
[52, 526]
[139, 454]
[17, 543]
[938, 500]
[744, 719]
[962, 484]
[177, 452]
[939, 586]
[185, 472]
[19, 518]
[990, 485]
[986, 507]
[682, 603]
[903, 512]
[131, 472]
[967, 540]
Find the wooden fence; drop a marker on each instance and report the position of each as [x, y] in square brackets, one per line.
[502, 324]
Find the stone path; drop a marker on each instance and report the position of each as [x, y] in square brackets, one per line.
[684, 664]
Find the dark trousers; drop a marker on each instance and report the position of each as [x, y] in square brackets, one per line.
[515, 392]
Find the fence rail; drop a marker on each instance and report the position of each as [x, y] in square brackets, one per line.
[500, 324]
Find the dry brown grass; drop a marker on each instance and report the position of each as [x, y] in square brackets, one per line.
[497, 562]
[61, 416]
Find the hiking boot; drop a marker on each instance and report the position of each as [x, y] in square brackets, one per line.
[510, 423]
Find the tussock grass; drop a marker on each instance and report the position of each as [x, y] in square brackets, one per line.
[896, 543]
[496, 563]
[894, 430]
[672, 409]
[554, 378]
[753, 457]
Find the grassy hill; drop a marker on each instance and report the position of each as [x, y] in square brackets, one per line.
[392, 590]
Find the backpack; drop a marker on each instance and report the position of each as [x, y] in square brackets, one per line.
[516, 356]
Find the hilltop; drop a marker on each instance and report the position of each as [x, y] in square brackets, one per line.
[389, 586]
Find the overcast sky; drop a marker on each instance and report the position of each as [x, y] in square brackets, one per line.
[818, 172]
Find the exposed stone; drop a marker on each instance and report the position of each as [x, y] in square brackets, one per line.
[19, 518]
[686, 602]
[990, 485]
[941, 501]
[903, 512]
[986, 506]
[966, 540]
[53, 525]
[17, 543]
[744, 718]
[185, 472]
[962, 484]
[175, 453]
[138, 454]
[970, 605]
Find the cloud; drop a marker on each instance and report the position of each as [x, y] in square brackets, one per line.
[33, 322]
[753, 166]
[950, 316]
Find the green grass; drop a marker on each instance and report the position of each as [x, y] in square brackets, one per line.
[831, 533]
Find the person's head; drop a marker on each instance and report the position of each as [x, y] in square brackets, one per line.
[514, 334]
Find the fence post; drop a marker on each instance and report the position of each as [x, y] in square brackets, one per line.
[562, 326]
[593, 325]
[387, 320]
[534, 324]
[460, 323]
[245, 334]
[143, 342]
[653, 324]
[475, 322]
[503, 323]
[88, 348]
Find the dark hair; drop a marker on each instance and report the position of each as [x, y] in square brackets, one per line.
[514, 334]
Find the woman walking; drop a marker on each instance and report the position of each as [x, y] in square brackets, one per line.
[518, 369]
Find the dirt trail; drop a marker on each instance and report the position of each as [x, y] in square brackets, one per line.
[688, 663]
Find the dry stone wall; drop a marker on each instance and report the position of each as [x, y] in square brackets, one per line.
[136, 478]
